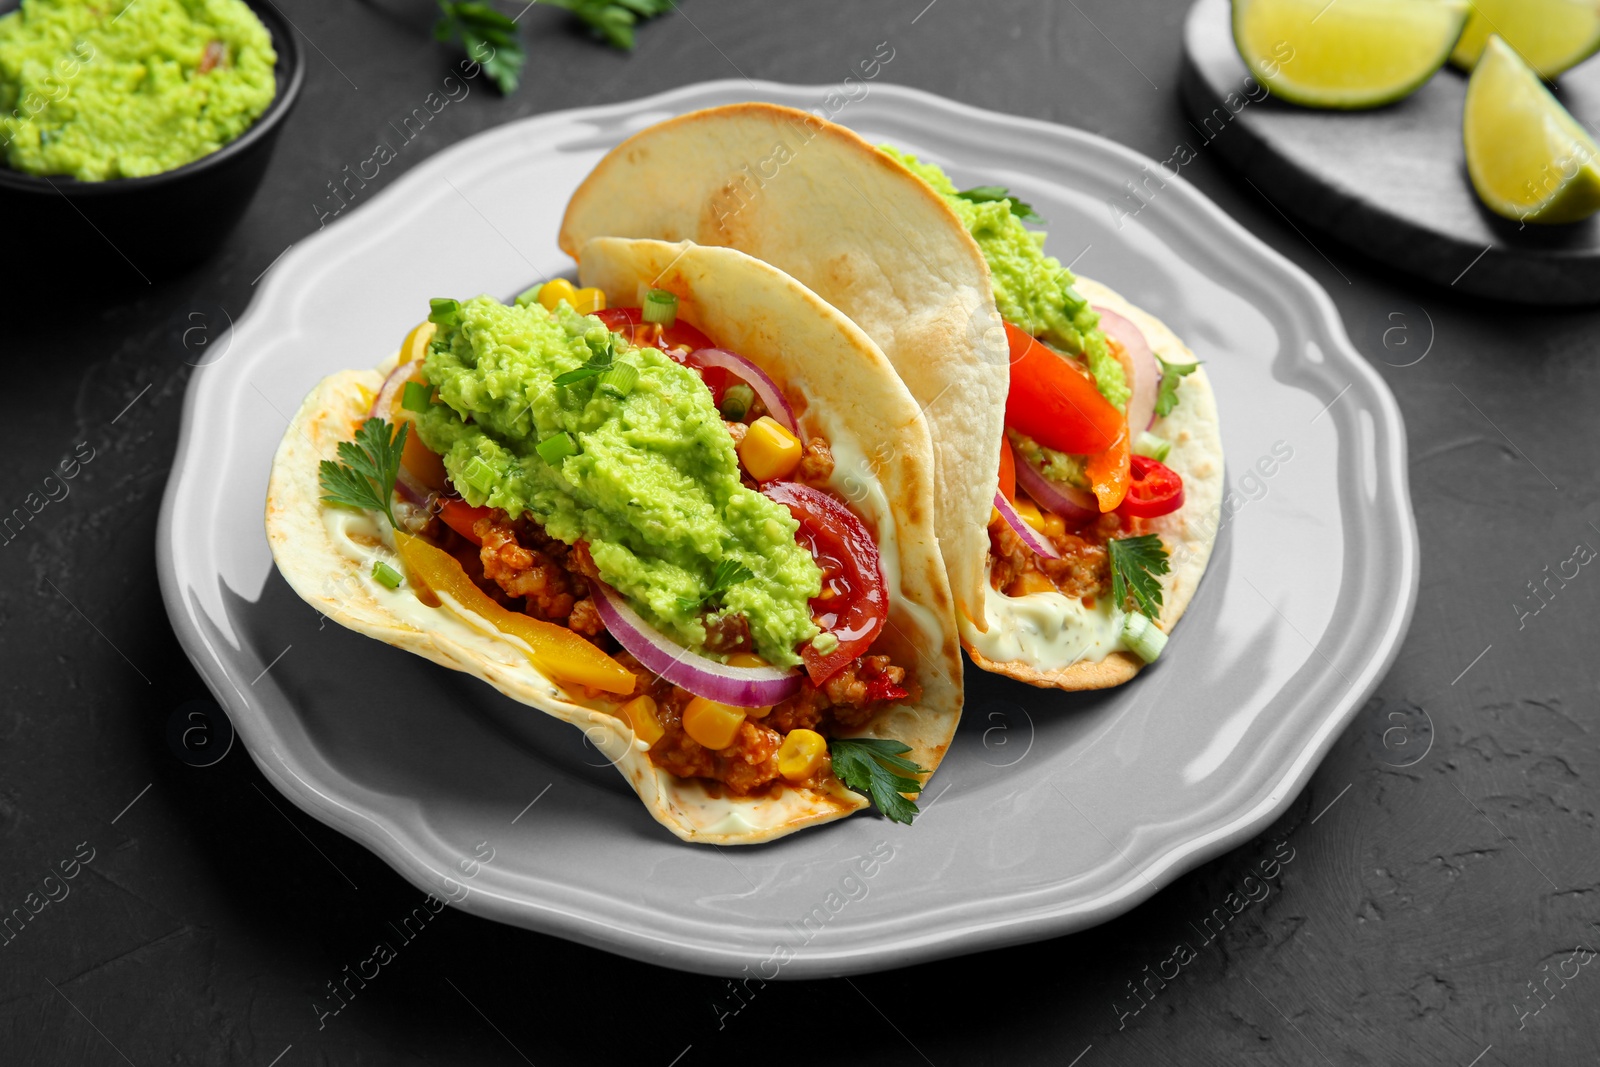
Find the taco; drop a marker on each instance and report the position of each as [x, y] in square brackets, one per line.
[1105, 421]
[638, 506]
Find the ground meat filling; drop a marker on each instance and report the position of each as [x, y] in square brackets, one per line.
[844, 703]
[816, 462]
[728, 633]
[518, 561]
[524, 561]
[1083, 571]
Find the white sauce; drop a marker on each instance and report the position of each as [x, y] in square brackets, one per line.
[354, 533]
[1044, 629]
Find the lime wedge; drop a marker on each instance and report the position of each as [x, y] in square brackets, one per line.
[1346, 53]
[1528, 157]
[1551, 35]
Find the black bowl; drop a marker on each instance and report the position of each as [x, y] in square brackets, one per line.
[73, 230]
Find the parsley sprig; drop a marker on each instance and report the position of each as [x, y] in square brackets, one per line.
[598, 363]
[489, 37]
[1171, 375]
[613, 20]
[729, 573]
[989, 194]
[877, 767]
[371, 463]
[1135, 564]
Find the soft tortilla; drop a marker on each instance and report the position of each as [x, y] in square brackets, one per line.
[1188, 533]
[855, 401]
[818, 201]
[862, 232]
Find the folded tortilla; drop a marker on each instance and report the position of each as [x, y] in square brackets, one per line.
[864, 233]
[1189, 533]
[843, 388]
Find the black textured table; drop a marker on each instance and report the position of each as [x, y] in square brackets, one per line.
[1432, 898]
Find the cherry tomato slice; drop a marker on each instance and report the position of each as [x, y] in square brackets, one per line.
[1008, 471]
[1055, 403]
[1155, 489]
[854, 602]
[676, 340]
[460, 515]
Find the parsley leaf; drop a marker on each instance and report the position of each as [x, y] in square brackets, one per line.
[371, 463]
[729, 573]
[988, 194]
[489, 37]
[613, 20]
[1171, 375]
[1135, 562]
[869, 765]
[598, 363]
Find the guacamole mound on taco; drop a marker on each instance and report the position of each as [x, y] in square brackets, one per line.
[637, 506]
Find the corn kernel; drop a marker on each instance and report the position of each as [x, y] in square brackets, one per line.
[1054, 525]
[768, 450]
[1030, 582]
[712, 724]
[588, 300]
[801, 754]
[641, 715]
[552, 293]
[1030, 514]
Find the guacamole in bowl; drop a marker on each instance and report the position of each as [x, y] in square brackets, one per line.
[128, 88]
[134, 133]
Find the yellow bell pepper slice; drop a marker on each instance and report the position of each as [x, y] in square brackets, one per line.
[415, 346]
[1109, 473]
[557, 651]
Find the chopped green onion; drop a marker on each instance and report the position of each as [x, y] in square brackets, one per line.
[417, 396]
[479, 475]
[1142, 637]
[443, 311]
[530, 295]
[660, 307]
[619, 380]
[557, 447]
[386, 575]
[1148, 444]
[736, 402]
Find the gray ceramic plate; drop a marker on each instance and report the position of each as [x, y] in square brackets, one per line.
[1053, 811]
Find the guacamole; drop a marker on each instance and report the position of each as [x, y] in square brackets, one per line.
[101, 89]
[653, 485]
[1057, 466]
[1031, 290]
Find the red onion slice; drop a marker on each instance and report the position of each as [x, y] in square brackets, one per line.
[408, 488]
[742, 687]
[383, 403]
[1077, 506]
[1037, 542]
[1144, 377]
[753, 376]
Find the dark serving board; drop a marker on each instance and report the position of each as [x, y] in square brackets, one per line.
[1390, 182]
